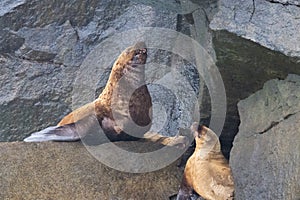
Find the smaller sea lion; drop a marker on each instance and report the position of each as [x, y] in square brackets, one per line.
[207, 172]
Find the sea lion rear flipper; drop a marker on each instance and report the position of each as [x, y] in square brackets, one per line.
[67, 133]
[184, 194]
[54, 133]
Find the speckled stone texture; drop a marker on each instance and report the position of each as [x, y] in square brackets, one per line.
[67, 171]
[272, 23]
[44, 43]
[265, 158]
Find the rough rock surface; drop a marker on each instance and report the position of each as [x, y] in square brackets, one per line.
[265, 158]
[286, 2]
[68, 171]
[273, 24]
[42, 45]
[245, 66]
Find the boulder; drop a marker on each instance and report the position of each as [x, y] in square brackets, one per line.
[265, 158]
[68, 171]
[245, 66]
[42, 46]
[273, 24]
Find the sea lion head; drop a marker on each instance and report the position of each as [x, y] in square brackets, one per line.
[139, 56]
[134, 56]
[206, 139]
[130, 65]
[200, 132]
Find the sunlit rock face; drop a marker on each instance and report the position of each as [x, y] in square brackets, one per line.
[273, 24]
[42, 46]
[265, 158]
[67, 170]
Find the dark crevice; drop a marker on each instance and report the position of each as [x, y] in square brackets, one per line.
[206, 15]
[274, 124]
[40, 61]
[284, 4]
[234, 13]
[253, 10]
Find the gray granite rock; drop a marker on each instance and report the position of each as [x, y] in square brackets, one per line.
[68, 171]
[245, 67]
[273, 24]
[51, 43]
[265, 158]
[16, 14]
[43, 44]
[286, 2]
[9, 41]
[33, 95]
[7, 6]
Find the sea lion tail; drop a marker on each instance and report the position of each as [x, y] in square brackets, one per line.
[55, 133]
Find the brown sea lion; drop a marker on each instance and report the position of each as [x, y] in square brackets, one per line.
[124, 102]
[207, 172]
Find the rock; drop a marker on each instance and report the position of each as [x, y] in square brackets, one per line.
[36, 13]
[273, 24]
[174, 99]
[45, 43]
[42, 45]
[68, 171]
[33, 95]
[286, 2]
[9, 42]
[198, 16]
[7, 6]
[245, 66]
[51, 43]
[265, 158]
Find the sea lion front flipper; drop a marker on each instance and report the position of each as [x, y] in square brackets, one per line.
[68, 133]
[179, 141]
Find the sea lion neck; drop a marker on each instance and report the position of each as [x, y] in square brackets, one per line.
[126, 100]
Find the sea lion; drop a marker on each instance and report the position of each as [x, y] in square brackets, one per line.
[124, 100]
[207, 172]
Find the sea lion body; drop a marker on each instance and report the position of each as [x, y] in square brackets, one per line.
[207, 172]
[124, 101]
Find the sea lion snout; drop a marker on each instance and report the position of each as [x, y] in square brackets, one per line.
[139, 57]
